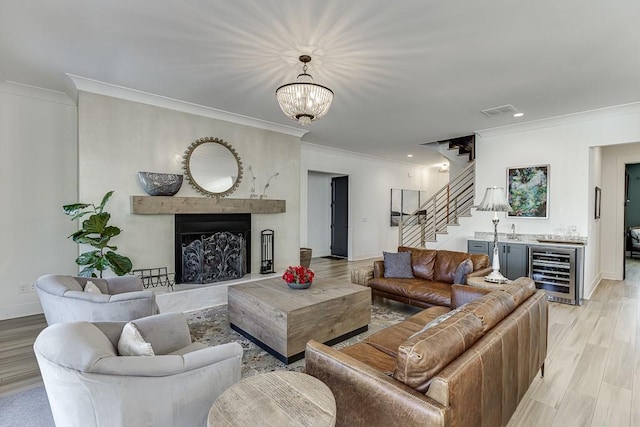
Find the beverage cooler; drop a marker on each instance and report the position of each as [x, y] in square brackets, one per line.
[559, 271]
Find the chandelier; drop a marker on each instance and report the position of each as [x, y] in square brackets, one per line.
[304, 100]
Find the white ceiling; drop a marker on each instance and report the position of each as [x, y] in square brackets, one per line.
[404, 72]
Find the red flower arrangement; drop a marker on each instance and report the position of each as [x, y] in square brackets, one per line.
[298, 274]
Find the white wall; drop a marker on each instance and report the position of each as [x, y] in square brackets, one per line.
[370, 183]
[38, 168]
[118, 138]
[563, 143]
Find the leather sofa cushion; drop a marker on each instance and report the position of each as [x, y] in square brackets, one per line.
[389, 339]
[422, 261]
[371, 356]
[462, 294]
[427, 315]
[480, 261]
[520, 289]
[435, 293]
[491, 308]
[423, 356]
[446, 263]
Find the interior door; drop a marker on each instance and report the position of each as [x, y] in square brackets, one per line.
[339, 216]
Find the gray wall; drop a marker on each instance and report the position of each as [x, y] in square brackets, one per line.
[117, 138]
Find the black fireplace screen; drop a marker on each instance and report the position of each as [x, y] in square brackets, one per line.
[212, 247]
[214, 258]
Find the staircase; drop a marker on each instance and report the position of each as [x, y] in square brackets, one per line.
[443, 209]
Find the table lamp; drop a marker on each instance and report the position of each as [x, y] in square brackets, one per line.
[495, 201]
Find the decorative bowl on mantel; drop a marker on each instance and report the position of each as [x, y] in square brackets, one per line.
[160, 184]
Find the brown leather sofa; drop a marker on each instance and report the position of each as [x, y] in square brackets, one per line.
[471, 369]
[433, 272]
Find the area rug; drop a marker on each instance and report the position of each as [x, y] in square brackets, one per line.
[210, 327]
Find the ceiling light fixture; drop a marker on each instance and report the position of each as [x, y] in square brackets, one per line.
[409, 155]
[518, 114]
[304, 100]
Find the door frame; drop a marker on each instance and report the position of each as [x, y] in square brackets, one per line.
[304, 204]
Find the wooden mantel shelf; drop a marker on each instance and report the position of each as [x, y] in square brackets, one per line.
[163, 205]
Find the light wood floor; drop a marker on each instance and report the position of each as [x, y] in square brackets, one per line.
[592, 375]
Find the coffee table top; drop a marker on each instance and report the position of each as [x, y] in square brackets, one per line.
[276, 293]
[279, 398]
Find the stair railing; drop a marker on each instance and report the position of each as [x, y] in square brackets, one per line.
[440, 211]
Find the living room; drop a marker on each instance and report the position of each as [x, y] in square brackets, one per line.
[65, 146]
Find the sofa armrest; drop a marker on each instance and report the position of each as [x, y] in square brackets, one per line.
[480, 273]
[378, 269]
[365, 396]
[462, 294]
[212, 355]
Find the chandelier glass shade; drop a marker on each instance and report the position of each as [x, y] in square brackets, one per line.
[304, 100]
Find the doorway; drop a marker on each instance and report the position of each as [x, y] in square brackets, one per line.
[340, 216]
[320, 215]
[631, 220]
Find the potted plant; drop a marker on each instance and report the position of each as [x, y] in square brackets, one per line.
[96, 232]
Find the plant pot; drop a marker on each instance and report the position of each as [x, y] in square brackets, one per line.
[296, 285]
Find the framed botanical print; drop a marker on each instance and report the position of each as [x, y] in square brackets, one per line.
[528, 191]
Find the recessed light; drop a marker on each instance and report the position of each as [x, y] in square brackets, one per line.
[409, 155]
[518, 114]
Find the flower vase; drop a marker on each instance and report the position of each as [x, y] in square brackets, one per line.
[296, 285]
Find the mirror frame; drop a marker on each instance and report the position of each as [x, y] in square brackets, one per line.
[187, 169]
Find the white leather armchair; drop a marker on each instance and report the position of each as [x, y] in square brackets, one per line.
[88, 384]
[123, 298]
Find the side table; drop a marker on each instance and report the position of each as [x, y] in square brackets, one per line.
[479, 282]
[278, 398]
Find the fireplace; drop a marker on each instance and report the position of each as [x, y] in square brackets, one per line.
[212, 247]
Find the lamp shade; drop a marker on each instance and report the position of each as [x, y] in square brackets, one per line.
[494, 201]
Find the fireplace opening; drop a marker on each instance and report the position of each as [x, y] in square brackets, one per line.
[212, 247]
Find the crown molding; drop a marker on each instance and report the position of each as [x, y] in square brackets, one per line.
[585, 116]
[28, 91]
[84, 84]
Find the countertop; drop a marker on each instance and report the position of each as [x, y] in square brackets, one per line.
[532, 239]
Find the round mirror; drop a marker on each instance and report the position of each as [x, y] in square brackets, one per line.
[213, 167]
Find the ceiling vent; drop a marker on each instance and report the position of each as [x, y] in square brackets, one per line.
[497, 111]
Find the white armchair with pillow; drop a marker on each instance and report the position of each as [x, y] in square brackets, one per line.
[89, 383]
[67, 298]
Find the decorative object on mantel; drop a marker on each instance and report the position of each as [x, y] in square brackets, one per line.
[266, 252]
[160, 184]
[495, 201]
[253, 194]
[264, 191]
[96, 232]
[304, 100]
[298, 277]
[213, 167]
[528, 191]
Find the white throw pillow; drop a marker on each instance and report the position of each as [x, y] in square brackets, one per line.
[131, 342]
[92, 288]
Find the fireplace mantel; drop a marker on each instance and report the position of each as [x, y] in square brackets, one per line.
[164, 205]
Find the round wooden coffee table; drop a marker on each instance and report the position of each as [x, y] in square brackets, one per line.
[279, 398]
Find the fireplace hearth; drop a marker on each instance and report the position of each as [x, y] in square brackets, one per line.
[212, 247]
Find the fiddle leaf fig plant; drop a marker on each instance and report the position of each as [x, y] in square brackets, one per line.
[97, 232]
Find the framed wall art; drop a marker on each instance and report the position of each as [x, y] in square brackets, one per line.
[528, 191]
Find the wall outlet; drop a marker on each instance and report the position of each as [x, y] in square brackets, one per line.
[27, 288]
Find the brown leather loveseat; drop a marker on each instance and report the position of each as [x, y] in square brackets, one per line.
[433, 272]
[470, 369]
